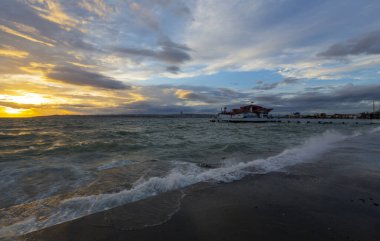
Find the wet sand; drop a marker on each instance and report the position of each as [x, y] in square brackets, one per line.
[327, 200]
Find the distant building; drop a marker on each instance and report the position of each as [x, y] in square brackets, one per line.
[370, 115]
[344, 116]
[297, 114]
[320, 115]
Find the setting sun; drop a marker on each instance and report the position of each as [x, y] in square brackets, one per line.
[16, 112]
[22, 105]
[27, 98]
[13, 111]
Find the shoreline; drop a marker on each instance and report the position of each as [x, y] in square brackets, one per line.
[325, 200]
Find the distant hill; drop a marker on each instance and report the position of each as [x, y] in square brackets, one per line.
[136, 116]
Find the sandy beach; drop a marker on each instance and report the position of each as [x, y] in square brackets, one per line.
[330, 199]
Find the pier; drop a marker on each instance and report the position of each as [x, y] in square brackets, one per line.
[301, 121]
[327, 121]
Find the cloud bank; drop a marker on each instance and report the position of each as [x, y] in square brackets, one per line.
[123, 56]
[77, 76]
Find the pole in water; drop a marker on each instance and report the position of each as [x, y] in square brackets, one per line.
[373, 109]
[373, 106]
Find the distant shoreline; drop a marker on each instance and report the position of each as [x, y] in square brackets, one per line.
[176, 116]
[122, 115]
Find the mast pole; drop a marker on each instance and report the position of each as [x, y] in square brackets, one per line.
[373, 106]
[373, 110]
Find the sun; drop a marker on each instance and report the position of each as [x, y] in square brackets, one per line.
[22, 104]
[29, 98]
[14, 111]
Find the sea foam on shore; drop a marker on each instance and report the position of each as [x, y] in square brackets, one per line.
[183, 174]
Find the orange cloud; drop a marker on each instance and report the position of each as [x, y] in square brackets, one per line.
[52, 10]
[24, 36]
[182, 94]
[137, 97]
[13, 53]
[37, 68]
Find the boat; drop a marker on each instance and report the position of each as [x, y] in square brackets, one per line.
[258, 114]
[248, 113]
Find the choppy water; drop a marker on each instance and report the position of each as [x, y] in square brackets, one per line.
[56, 169]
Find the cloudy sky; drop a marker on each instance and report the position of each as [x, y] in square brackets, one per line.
[167, 56]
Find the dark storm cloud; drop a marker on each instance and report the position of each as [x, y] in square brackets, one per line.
[200, 97]
[228, 92]
[367, 44]
[290, 80]
[78, 76]
[286, 81]
[348, 98]
[171, 45]
[144, 107]
[347, 93]
[75, 41]
[332, 99]
[173, 69]
[169, 52]
[317, 88]
[173, 52]
[267, 86]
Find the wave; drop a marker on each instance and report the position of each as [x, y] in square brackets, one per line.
[181, 176]
[374, 130]
[114, 164]
[16, 135]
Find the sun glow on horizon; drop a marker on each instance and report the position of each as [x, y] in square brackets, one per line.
[29, 105]
[13, 111]
[16, 112]
[26, 98]
[9, 112]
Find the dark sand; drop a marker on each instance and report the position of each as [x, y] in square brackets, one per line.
[319, 201]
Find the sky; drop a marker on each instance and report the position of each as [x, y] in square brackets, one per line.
[60, 57]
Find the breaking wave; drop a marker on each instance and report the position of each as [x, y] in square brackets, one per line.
[374, 130]
[184, 174]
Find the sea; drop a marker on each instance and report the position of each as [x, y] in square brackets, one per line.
[56, 169]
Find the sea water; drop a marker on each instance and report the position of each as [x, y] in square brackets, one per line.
[57, 169]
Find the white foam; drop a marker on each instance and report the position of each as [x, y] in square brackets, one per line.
[184, 176]
[311, 148]
[374, 130]
[25, 226]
